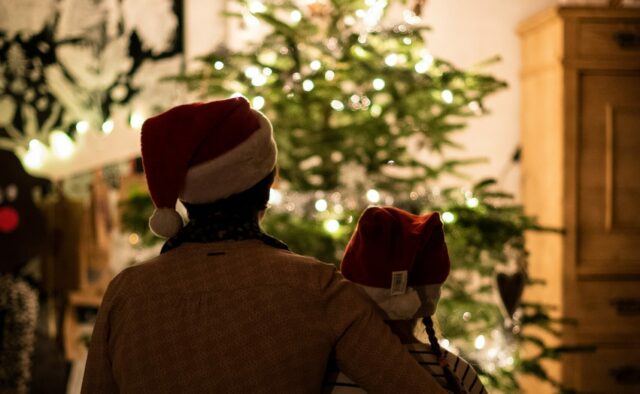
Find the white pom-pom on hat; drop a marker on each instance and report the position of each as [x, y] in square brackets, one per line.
[165, 222]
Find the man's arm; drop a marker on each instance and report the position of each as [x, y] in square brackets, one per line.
[366, 350]
[98, 374]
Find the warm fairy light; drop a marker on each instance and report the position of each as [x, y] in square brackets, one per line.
[411, 18]
[391, 60]
[480, 342]
[259, 80]
[425, 63]
[218, 65]
[257, 7]
[447, 96]
[332, 225]
[376, 110]
[258, 102]
[251, 72]
[267, 71]
[82, 127]
[474, 106]
[337, 105]
[448, 217]
[307, 85]
[466, 316]
[473, 202]
[61, 145]
[349, 20]
[321, 205]
[406, 41]
[445, 343]
[378, 84]
[359, 51]
[134, 239]
[250, 20]
[296, 16]
[136, 120]
[315, 65]
[275, 197]
[107, 126]
[373, 196]
[34, 158]
[329, 75]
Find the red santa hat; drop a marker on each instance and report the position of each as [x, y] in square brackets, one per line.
[201, 153]
[399, 259]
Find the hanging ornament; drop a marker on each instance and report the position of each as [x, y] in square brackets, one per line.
[510, 288]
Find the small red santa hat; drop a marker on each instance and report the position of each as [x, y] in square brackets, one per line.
[399, 259]
[201, 153]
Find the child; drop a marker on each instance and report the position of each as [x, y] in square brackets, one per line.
[400, 260]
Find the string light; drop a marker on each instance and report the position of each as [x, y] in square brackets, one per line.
[411, 18]
[321, 205]
[259, 80]
[473, 202]
[107, 126]
[256, 7]
[359, 51]
[378, 84]
[376, 110]
[218, 65]
[474, 106]
[136, 120]
[480, 342]
[337, 105]
[258, 102]
[391, 60]
[349, 20]
[445, 343]
[134, 238]
[425, 62]
[406, 41]
[275, 197]
[267, 71]
[82, 127]
[315, 65]
[448, 217]
[373, 196]
[34, 158]
[251, 72]
[447, 96]
[61, 145]
[329, 75]
[332, 225]
[296, 16]
[307, 85]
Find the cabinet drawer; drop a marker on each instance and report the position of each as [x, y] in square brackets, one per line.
[610, 369]
[607, 310]
[608, 38]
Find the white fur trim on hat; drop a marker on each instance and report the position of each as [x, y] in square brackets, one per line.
[165, 222]
[234, 171]
[418, 301]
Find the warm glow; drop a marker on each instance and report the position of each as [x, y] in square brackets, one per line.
[473, 202]
[447, 96]
[391, 60]
[136, 120]
[321, 205]
[275, 197]
[373, 196]
[258, 102]
[378, 84]
[61, 145]
[307, 85]
[480, 342]
[315, 65]
[337, 105]
[34, 158]
[107, 126]
[448, 217]
[332, 225]
[218, 65]
[82, 127]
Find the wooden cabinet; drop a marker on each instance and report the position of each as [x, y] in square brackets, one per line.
[580, 135]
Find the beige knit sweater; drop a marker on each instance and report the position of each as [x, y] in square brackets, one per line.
[241, 317]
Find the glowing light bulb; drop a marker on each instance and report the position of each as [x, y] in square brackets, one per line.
[321, 205]
[107, 126]
[275, 197]
[134, 238]
[82, 127]
[136, 120]
[376, 110]
[251, 72]
[480, 342]
[267, 71]
[378, 84]
[406, 41]
[349, 20]
[474, 106]
[34, 158]
[329, 75]
[315, 65]
[391, 60]
[218, 65]
[259, 80]
[258, 102]
[257, 7]
[448, 217]
[332, 225]
[373, 196]
[307, 85]
[61, 145]
[445, 343]
[337, 105]
[425, 63]
[296, 16]
[447, 96]
[473, 202]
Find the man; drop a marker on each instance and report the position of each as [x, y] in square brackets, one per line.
[225, 308]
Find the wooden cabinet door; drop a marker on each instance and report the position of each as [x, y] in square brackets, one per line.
[609, 174]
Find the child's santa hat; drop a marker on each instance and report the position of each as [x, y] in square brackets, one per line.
[399, 259]
[201, 153]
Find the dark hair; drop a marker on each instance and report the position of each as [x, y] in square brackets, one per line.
[250, 201]
[452, 380]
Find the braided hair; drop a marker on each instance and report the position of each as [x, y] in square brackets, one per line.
[452, 380]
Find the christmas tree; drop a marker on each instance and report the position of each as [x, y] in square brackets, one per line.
[365, 114]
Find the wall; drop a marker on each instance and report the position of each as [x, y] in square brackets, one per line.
[464, 32]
